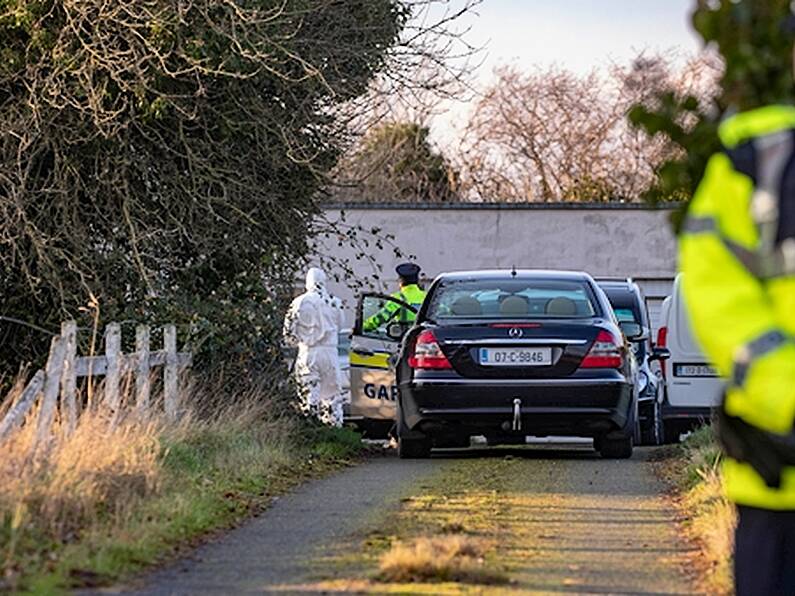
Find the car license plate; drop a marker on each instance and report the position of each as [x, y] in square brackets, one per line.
[694, 370]
[516, 356]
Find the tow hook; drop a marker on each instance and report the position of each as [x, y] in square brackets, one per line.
[517, 414]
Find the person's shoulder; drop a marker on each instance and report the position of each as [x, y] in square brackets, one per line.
[306, 301]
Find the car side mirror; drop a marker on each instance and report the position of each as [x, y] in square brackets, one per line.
[658, 353]
[633, 331]
[396, 331]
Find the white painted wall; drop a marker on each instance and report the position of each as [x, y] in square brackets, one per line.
[613, 241]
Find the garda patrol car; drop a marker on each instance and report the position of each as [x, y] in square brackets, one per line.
[374, 391]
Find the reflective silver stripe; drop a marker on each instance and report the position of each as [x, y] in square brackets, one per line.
[747, 257]
[708, 225]
[773, 152]
[700, 225]
[779, 263]
[762, 345]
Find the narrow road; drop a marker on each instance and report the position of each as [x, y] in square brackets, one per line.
[567, 521]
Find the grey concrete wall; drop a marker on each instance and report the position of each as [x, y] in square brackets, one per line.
[613, 241]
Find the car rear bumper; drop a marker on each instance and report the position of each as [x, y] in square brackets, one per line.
[701, 413]
[585, 407]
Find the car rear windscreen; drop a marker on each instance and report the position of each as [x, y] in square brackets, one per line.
[512, 299]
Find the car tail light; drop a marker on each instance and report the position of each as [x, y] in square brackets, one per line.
[606, 352]
[427, 353]
[662, 337]
[662, 342]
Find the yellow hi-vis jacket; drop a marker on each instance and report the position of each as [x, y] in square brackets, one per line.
[737, 250]
[411, 294]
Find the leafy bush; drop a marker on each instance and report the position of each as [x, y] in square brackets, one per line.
[756, 50]
[161, 160]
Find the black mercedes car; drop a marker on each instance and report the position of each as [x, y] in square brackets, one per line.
[511, 354]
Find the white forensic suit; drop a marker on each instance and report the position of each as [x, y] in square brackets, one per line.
[313, 323]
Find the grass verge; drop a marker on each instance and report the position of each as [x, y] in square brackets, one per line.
[116, 495]
[693, 469]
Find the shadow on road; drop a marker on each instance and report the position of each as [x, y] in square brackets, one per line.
[556, 451]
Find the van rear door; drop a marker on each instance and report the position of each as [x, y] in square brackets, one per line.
[692, 381]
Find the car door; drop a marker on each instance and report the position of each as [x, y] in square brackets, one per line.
[372, 373]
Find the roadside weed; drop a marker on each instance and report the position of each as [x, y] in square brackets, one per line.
[451, 558]
[118, 494]
[710, 518]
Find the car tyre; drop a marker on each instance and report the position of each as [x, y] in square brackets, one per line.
[615, 447]
[654, 433]
[414, 448]
[672, 430]
[453, 442]
[637, 430]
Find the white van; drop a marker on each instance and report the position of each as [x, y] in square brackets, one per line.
[692, 385]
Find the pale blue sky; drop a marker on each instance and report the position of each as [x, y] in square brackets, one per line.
[580, 34]
[576, 34]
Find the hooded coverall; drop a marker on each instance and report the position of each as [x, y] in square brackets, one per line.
[737, 250]
[313, 323]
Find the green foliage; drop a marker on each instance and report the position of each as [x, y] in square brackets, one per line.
[336, 443]
[756, 47]
[160, 161]
[693, 129]
[213, 474]
[396, 162]
[702, 454]
[757, 53]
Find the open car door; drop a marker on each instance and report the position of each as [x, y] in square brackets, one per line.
[381, 322]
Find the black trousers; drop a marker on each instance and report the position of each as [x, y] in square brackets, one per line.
[764, 552]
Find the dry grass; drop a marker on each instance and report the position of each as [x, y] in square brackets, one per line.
[118, 493]
[60, 484]
[444, 558]
[51, 493]
[711, 517]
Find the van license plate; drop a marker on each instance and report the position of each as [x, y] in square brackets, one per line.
[515, 356]
[694, 370]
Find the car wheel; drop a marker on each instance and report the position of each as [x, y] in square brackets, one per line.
[654, 433]
[637, 431]
[453, 442]
[672, 430]
[414, 448]
[615, 447]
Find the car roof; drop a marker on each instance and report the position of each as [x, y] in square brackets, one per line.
[626, 284]
[531, 274]
[617, 288]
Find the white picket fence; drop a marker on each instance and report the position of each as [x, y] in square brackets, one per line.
[56, 384]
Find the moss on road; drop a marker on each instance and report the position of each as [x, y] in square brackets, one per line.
[538, 521]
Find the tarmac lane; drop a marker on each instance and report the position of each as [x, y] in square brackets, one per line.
[567, 521]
